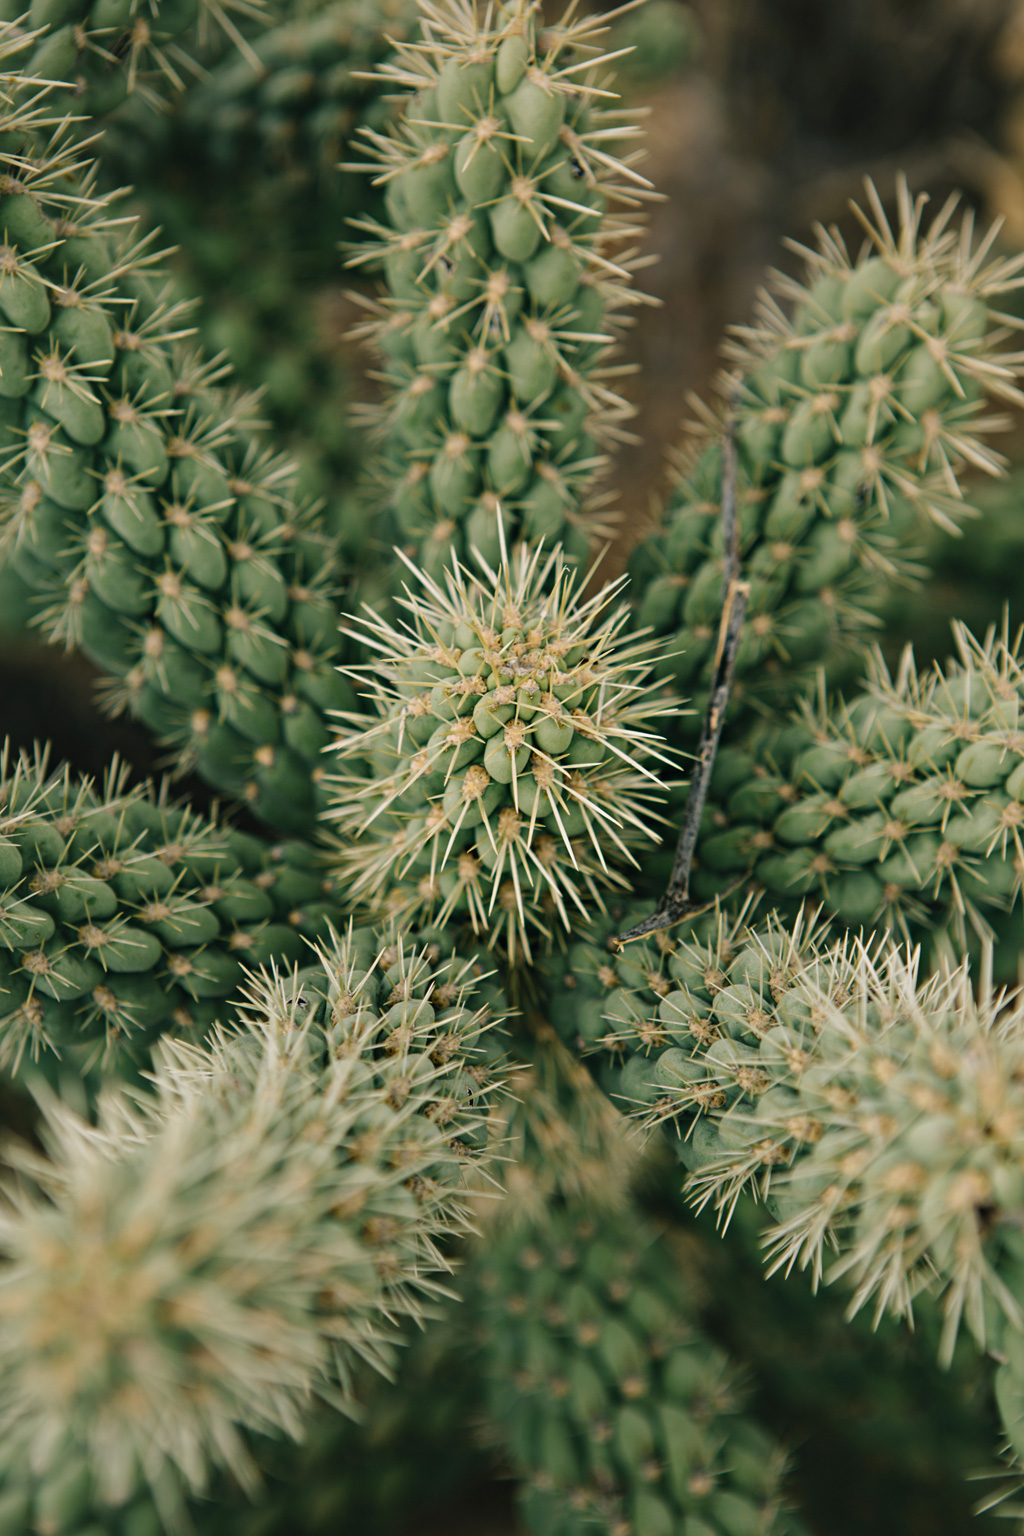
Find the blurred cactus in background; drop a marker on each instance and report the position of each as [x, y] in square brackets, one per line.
[510, 921]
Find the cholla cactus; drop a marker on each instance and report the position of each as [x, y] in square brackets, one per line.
[853, 408]
[124, 915]
[318, 1150]
[106, 49]
[510, 767]
[507, 278]
[257, 1183]
[137, 502]
[611, 1405]
[875, 1110]
[903, 807]
[302, 90]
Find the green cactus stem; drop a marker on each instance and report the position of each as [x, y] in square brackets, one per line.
[124, 915]
[158, 532]
[321, 1150]
[854, 416]
[507, 278]
[614, 1409]
[107, 49]
[901, 809]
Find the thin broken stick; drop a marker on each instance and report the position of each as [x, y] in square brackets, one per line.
[676, 903]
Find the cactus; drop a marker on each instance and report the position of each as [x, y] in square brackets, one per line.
[613, 1408]
[507, 278]
[510, 759]
[237, 1185]
[319, 1148]
[107, 49]
[160, 537]
[901, 809]
[852, 411]
[124, 915]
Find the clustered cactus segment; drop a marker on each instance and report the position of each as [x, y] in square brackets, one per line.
[902, 809]
[106, 49]
[510, 768]
[614, 1409]
[853, 411]
[876, 1112]
[302, 91]
[321, 1151]
[507, 279]
[157, 531]
[124, 915]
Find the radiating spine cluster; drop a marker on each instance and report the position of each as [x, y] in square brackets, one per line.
[614, 1409]
[509, 770]
[124, 915]
[853, 412]
[157, 530]
[319, 1150]
[507, 278]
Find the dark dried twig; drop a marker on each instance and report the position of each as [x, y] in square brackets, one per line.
[676, 903]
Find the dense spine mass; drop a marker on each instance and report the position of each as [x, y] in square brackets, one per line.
[509, 769]
[507, 277]
[158, 532]
[852, 412]
[877, 1113]
[321, 1149]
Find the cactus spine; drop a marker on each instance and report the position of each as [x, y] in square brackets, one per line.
[509, 767]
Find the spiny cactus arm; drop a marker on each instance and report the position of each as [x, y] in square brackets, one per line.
[876, 1111]
[302, 92]
[613, 1408]
[124, 915]
[512, 765]
[137, 500]
[507, 279]
[107, 49]
[210, 1257]
[856, 416]
[901, 809]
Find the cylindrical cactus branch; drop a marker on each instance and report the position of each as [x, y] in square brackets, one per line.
[510, 772]
[210, 1258]
[877, 1113]
[159, 533]
[902, 808]
[853, 412]
[614, 1409]
[507, 278]
[106, 49]
[124, 915]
